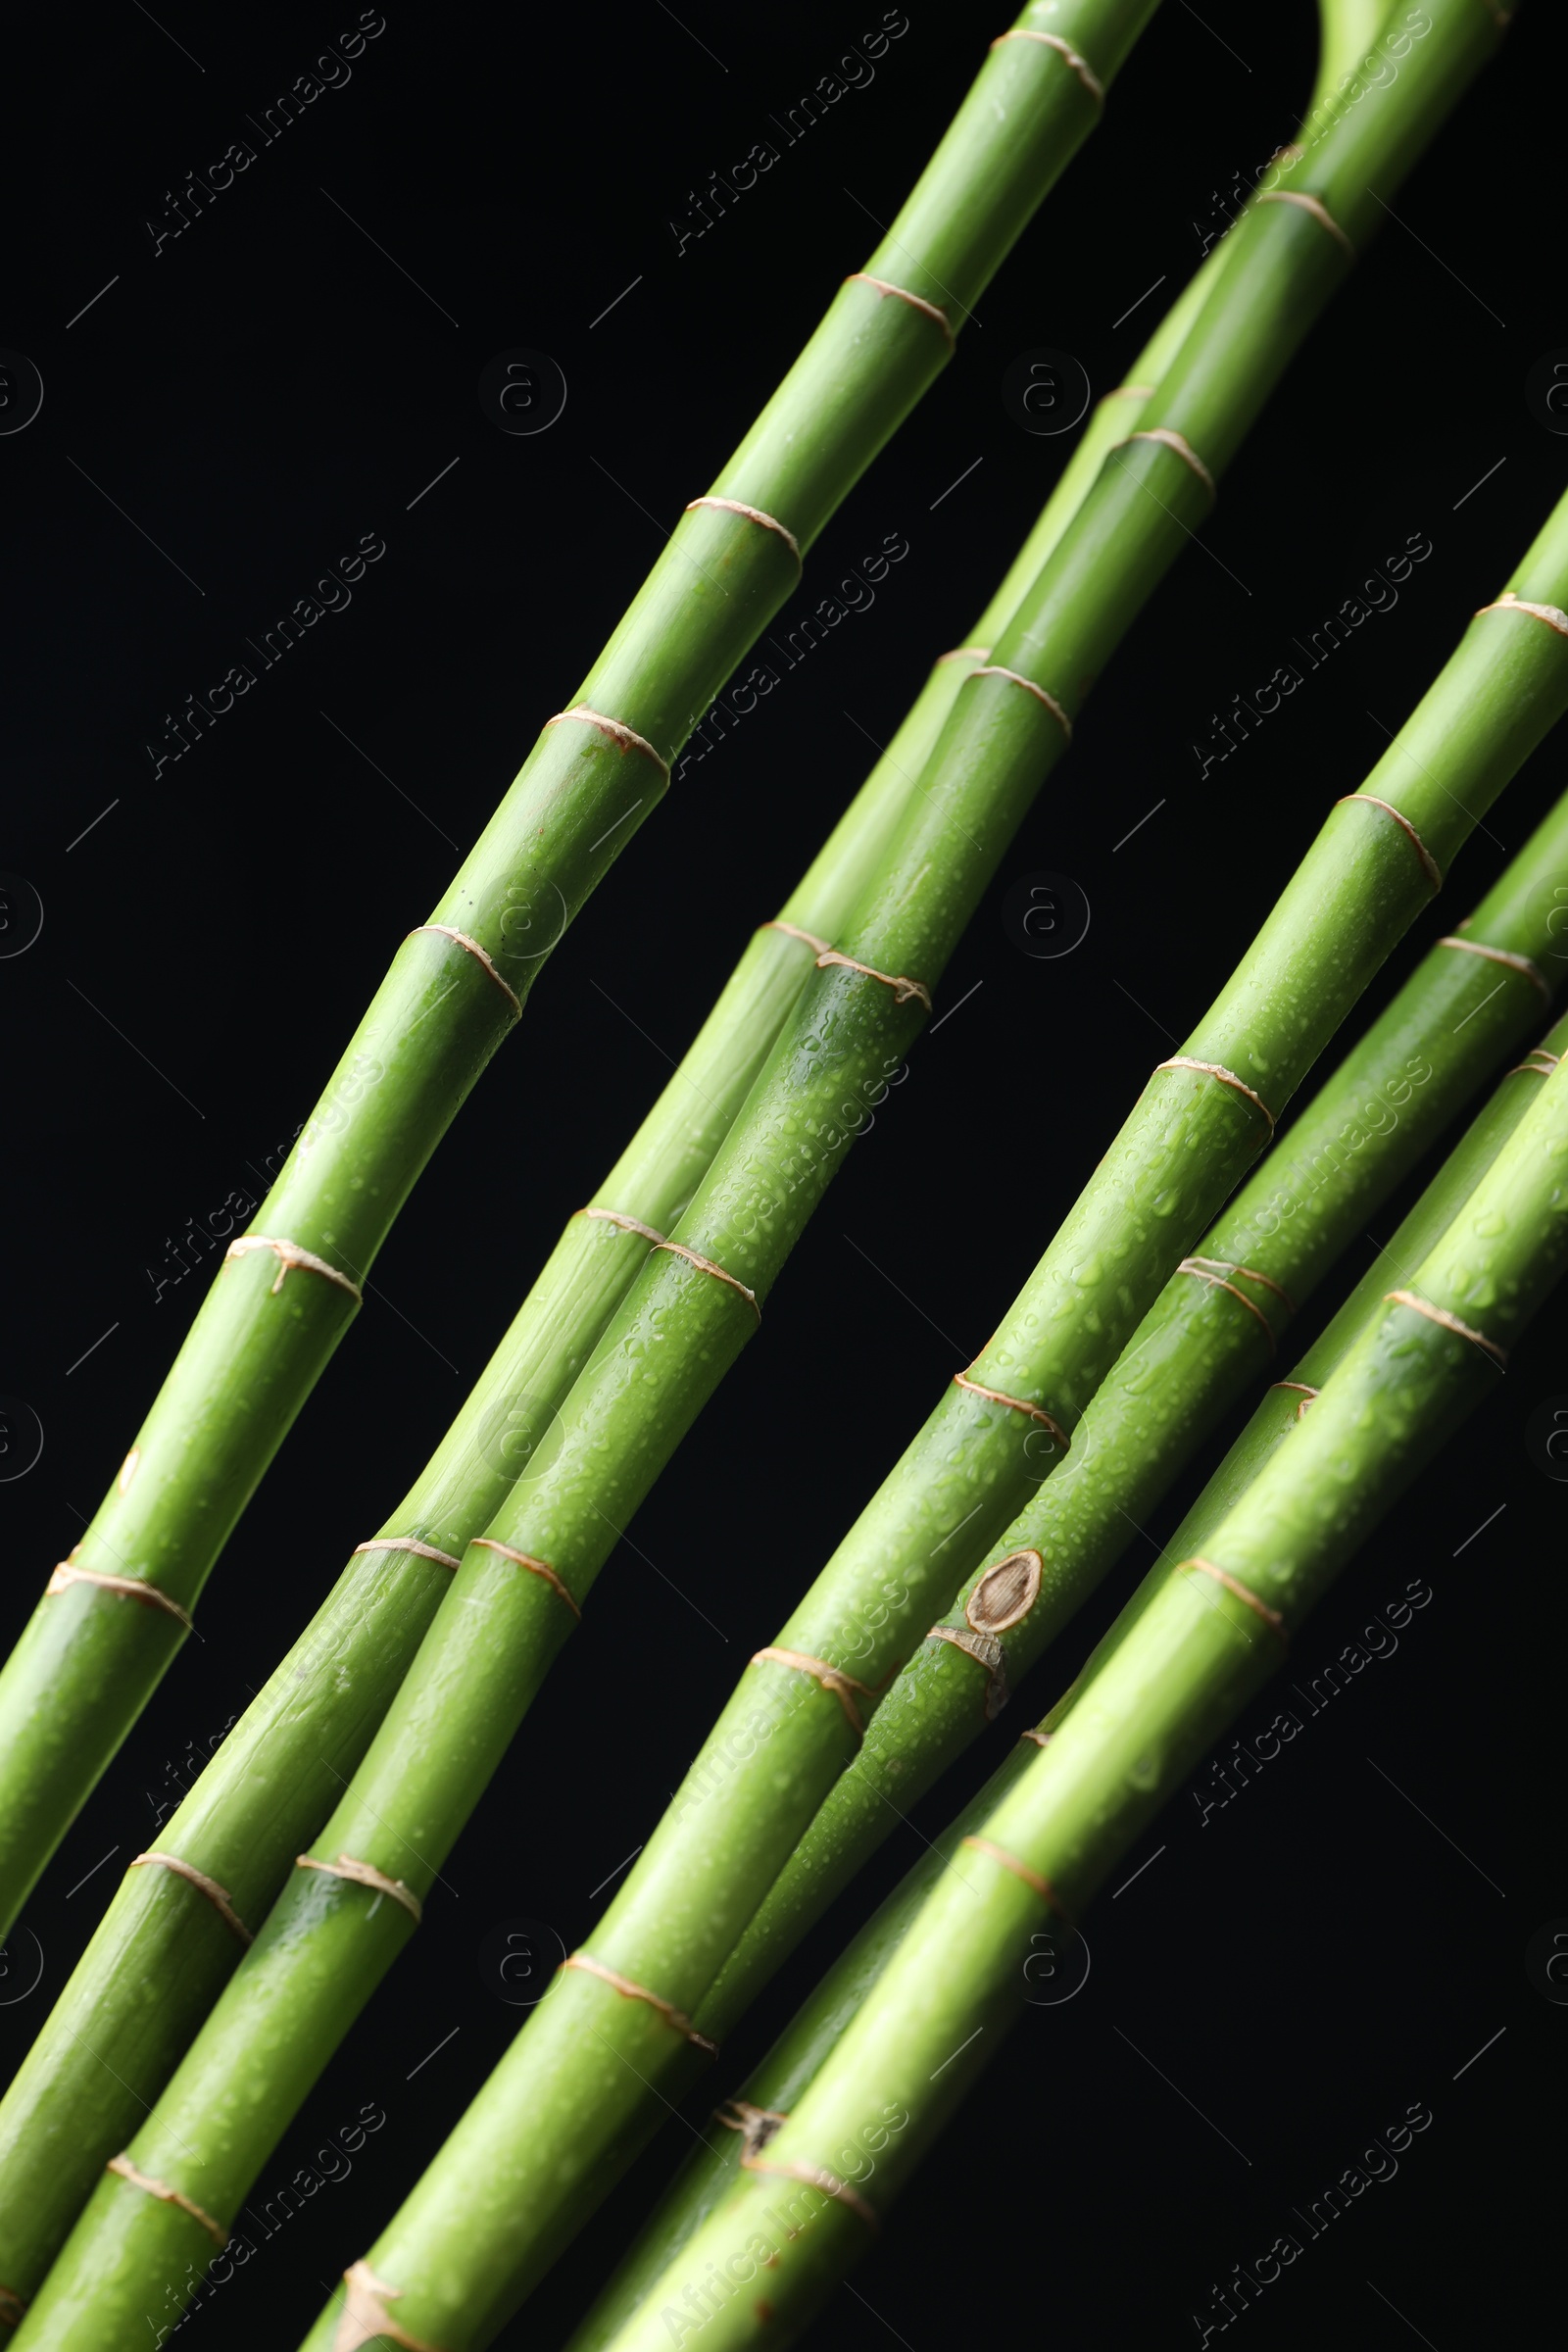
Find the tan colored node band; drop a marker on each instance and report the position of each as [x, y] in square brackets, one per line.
[755, 2125]
[1552, 615]
[126, 1588]
[525, 1559]
[1020, 1870]
[1233, 1586]
[1036, 1739]
[426, 1551]
[625, 739]
[831, 1678]
[1206, 1270]
[1313, 205]
[481, 957]
[167, 2197]
[1182, 447]
[1229, 1266]
[366, 1874]
[613, 1216]
[816, 2177]
[217, 1895]
[630, 1992]
[1503, 955]
[1536, 1060]
[1307, 1394]
[768, 523]
[1216, 1069]
[365, 2317]
[1440, 1314]
[902, 990]
[966, 652]
[794, 931]
[987, 1653]
[1019, 1404]
[1054, 40]
[706, 1265]
[291, 1259]
[1369, 800]
[916, 302]
[995, 670]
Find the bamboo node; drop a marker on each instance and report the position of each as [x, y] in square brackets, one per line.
[1503, 955]
[902, 990]
[1216, 1069]
[735, 506]
[1552, 615]
[630, 1992]
[1538, 1060]
[613, 1216]
[525, 1559]
[831, 1678]
[1020, 1870]
[1440, 1314]
[291, 1259]
[1243, 1593]
[706, 1265]
[794, 931]
[1313, 205]
[480, 954]
[625, 739]
[1307, 1394]
[1019, 1404]
[1206, 1270]
[1054, 40]
[986, 1651]
[816, 2177]
[755, 2125]
[1036, 1739]
[366, 1874]
[1430, 866]
[966, 652]
[994, 669]
[425, 1551]
[365, 2319]
[1006, 1592]
[917, 302]
[126, 1587]
[1183, 448]
[217, 1895]
[167, 2197]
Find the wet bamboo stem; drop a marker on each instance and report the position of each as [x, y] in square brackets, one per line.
[91, 1654]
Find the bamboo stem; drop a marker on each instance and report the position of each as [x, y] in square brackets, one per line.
[807, 2042]
[1211, 1332]
[935, 2016]
[89, 1659]
[327, 1942]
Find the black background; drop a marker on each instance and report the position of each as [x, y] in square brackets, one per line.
[269, 388]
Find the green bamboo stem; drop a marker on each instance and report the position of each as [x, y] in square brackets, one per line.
[1203, 1343]
[954, 1981]
[777, 2084]
[91, 1654]
[328, 1940]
